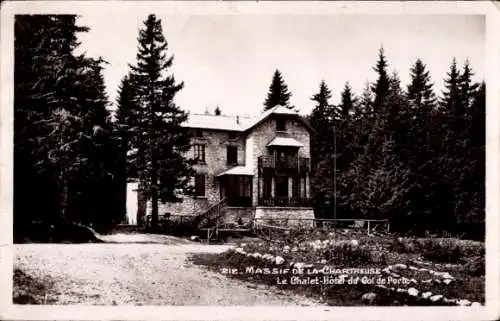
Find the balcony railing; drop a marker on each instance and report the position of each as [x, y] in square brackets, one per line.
[303, 164]
[284, 201]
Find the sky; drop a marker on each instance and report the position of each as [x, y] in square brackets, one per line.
[229, 60]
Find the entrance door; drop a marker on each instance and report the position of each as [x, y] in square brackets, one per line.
[281, 186]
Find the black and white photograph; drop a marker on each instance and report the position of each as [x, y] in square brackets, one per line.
[236, 155]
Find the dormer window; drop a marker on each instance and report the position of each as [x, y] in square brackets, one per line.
[199, 132]
[280, 124]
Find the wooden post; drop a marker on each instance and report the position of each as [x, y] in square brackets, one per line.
[368, 226]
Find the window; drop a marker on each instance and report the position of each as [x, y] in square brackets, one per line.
[303, 192]
[280, 124]
[232, 155]
[245, 186]
[199, 133]
[199, 153]
[232, 135]
[281, 183]
[199, 185]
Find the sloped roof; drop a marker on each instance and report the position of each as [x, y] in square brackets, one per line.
[237, 123]
[221, 122]
[285, 141]
[278, 110]
[238, 170]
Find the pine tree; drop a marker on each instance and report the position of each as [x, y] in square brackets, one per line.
[128, 124]
[477, 116]
[467, 88]
[470, 171]
[386, 114]
[217, 111]
[124, 126]
[377, 121]
[347, 101]
[450, 97]
[127, 118]
[473, 218]
[126, 108]
[322, 110]
[381, 87]
[160, 141]
[346, 143]
[421, 134]
[378, 190]
[452, 112]
[278, 93]
[422, 103]
[321, 119]
[365, 105]
[419, 92]
[60, 109]
[363, 120]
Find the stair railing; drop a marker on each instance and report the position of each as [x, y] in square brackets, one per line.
[211, 215]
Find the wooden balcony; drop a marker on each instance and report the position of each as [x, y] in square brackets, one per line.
[284, 201]
[301, 164]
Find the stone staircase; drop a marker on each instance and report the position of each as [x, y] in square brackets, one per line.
[211, 216]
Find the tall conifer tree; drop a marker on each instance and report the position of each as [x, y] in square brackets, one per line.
[61, 122]
[322, 149]
[381, 87]
[278, 92]
[160, 142]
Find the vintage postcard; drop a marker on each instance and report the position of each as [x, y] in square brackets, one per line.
[249, 160]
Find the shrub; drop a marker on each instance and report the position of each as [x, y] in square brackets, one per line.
[476, 266]
[445, 251]
[349, 253]
[28, 290]
[403, 245]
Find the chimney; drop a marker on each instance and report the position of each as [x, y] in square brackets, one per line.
[237, 119]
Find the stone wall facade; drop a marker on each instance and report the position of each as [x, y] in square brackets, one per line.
[285, 215]
[216, 143]
[233, 214]
[251, 145]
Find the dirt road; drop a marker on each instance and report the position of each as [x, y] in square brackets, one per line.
[139, 270]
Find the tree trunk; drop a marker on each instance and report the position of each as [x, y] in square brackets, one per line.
[154, 195]
[154, 163]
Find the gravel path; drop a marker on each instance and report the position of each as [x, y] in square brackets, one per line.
[139, 274]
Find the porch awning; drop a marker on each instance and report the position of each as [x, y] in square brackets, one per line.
[238, 170]
[284, 141]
